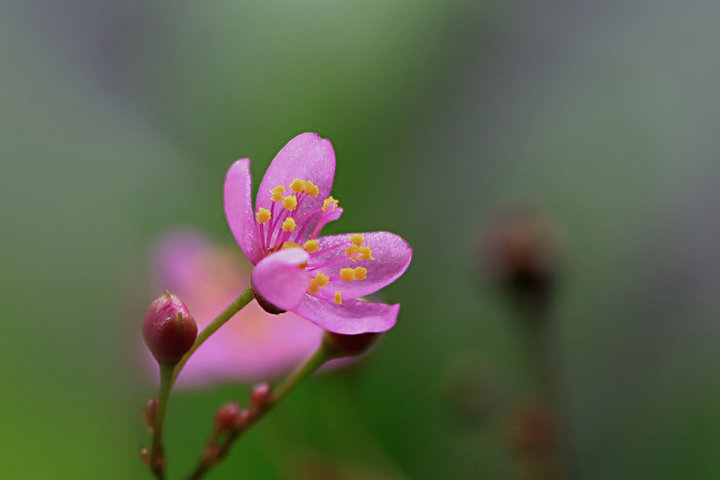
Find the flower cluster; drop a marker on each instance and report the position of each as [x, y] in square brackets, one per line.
[297, 273]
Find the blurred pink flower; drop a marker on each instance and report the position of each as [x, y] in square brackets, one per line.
[253, 345]
[322, 278]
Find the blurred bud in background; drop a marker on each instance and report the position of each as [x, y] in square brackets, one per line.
[253, 345]
[169, 329]
[522, 251]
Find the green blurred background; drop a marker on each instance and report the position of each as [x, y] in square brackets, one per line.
[118, 120]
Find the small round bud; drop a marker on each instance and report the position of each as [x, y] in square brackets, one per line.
[349, 345]
[246, 418]
[149, 413]
[169, 329]
[532, 429]
[260, 396]
[145, 456]
[523, 253]
[227, 417]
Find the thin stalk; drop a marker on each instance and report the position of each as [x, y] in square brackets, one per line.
[321, 355]
[157, 455]
[237, 305]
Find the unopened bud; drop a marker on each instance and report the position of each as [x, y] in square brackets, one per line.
[532, 429]
[348, 345]
[522, 251]
[149, 413]
[169, 329]
[145, 456]
[260, 396]
[246, 418]
[227, 417]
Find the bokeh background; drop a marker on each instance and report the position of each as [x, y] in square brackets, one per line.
[118, 121]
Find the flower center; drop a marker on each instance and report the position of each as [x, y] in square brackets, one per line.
[286, 225]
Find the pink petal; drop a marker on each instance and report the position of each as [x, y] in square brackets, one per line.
[174, 260]
[281, 278]
[326, 218]
[351, 317]
[252, 346]
[238, 209]
[307, 157]
[391, 254]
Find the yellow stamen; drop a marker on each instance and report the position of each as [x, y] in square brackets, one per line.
[277, 193]
[297, 185]
[329, 201]
[357, 239]
[311, 189]
[262, 215]
[289, 225]
[352, 250]
[365, 253]
[290, 245]
[290, 202]
[319, 280]
[347, 274]
[338, 297]
[360, 273]
[311, 245]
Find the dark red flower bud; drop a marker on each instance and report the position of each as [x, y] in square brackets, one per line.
[246, 418]
[522, 251]
[169, 329]
[349, 345]
[260, 396]
[227, 417]
[145, 456]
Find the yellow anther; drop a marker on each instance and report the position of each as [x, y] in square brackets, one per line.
[311, 245]
[338, 297]
[297, 185]
[357, 239]
[290, 202]
[289, 225]
[329, 201]
[365, 253]
[319, 280]
[277, 193]
[360, 273]
[311, 189]
[290, 245]
[322, 279]
[347, 274]
[352, 250]
[262, 215]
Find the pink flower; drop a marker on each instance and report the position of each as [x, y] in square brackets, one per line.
[318, 278]
[254, 345]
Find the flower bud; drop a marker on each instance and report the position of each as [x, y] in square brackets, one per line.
[145, 456]
[348, 345]
[522, 252]
[227, 417]
[149, 413]
[169, 329]
[260, 396]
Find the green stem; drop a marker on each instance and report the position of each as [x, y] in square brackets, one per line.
[237, 305]
[321, 355]
[157, 456]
